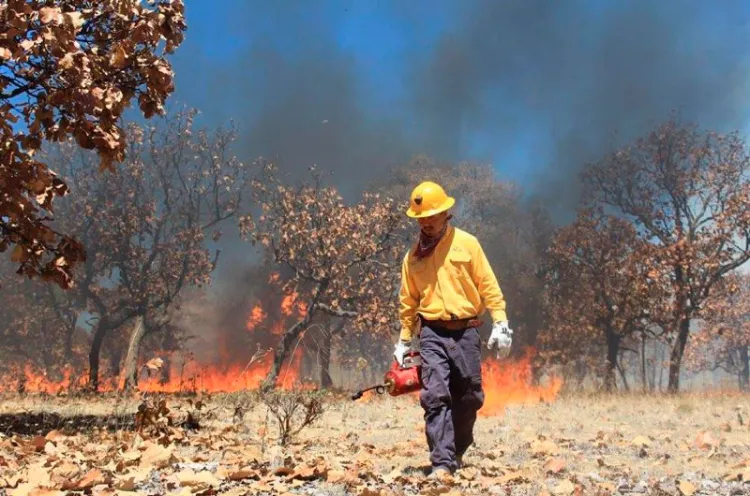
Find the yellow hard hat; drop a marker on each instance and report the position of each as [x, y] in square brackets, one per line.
[428, 199]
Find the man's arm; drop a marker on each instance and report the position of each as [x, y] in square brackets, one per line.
[409, 300]
[487, 284]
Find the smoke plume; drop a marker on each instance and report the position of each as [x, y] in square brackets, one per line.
[573, 74]
[537, 88]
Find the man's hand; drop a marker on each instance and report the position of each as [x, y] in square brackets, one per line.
[501, 337]
[401, 348]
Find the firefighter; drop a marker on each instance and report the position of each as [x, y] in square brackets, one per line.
[446, 285]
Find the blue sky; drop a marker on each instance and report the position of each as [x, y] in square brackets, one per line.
[535, 88]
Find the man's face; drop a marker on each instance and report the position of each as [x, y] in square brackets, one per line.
[432, 225]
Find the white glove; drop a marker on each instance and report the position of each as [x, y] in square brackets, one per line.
[401, 349]
[501, 336]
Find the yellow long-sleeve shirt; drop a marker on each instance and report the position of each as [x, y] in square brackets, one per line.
[456, 280]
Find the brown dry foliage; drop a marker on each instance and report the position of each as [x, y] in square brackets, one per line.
[686, 193]
[151, 228]
[723, 340]
[601, 289]
[338, 255]
[339, 258]
[70, 69]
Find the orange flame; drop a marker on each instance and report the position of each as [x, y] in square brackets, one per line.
[181, 376]
[233, 378]
[289, 302]
[193, 377]
[510, 382]
[257, 315]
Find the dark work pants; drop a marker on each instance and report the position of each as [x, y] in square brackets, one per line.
[451, 391]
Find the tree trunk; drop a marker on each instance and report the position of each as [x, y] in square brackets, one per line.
[47, 358]
[662, 352]
[326, 380]
[613, 349]
[675, 359]
[68, 351]
[94, 353]
[115, 356]
[623, 375]
[129, 377]
[325, 359]
[644, 380]
[745, 372]
[283, 348]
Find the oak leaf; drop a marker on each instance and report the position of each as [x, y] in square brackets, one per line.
[686, 488]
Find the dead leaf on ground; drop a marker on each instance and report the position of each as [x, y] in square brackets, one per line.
[307, 473]
[607, 486]
[282, 471]
[243, 474]
[393, 476]
[555, 465]
[686, 488]
[468, 473]
[91, 479]
[641, 441]
[513, 477]
[495, 453]
[54, 435]
[336, 476]
[127, 482]
[201, 479]
[156, 456]
[706, 440]
[564, 488]
[31, 489]
[544, 448]
[39, 475]
[738, 474]
[236, 491]
[38, 443]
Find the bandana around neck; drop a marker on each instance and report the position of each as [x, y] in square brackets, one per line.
[427, 244]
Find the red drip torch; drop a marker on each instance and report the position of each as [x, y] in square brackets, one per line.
[399, 380]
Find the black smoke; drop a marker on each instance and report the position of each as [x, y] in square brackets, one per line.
[565, 81]
[560, 83]
[586, 76]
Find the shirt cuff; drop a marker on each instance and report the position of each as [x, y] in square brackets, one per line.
[499, 316]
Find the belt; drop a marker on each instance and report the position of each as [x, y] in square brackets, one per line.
[453, 325]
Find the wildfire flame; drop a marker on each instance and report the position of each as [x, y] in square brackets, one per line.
[289, 303]
[233, 378]
[505, 382]
[194, 377]
[257, 315]
[510, 382]
[191, 376]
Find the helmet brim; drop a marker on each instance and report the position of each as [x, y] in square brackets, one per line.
[448, 203]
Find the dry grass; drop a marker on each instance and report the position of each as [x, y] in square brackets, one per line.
[599, 443]
[592, 434]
